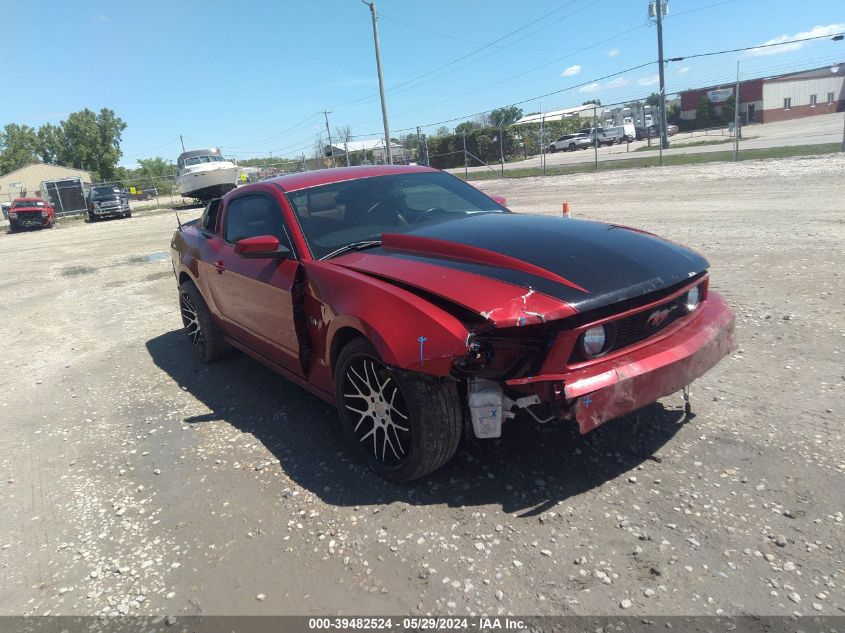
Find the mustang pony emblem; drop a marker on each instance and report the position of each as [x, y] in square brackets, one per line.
[659, 316]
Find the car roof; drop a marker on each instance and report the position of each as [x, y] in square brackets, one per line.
[306, 179]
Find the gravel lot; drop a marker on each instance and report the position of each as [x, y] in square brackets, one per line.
[135, 480]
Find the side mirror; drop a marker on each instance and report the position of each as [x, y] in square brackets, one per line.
[501, 200]
[262, 247]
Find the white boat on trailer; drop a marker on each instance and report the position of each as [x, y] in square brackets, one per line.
[204, 174]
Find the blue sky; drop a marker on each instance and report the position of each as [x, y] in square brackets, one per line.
[252, 77]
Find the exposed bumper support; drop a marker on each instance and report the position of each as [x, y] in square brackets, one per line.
[605, 391]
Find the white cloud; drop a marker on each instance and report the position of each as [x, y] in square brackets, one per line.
[617, 83]
[613, 52]
[101, 18]
[816, 31]
[590, 87]
[683, 70]
[572, 70]
[649, 81]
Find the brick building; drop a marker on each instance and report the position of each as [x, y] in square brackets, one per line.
[767, 99]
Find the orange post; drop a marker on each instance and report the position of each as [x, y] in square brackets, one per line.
[566, 212]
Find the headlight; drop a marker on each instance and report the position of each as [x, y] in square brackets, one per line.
[692, 299]
[594, 341]
[13, 215]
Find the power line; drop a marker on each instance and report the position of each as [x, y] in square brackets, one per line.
[285, 131]
[518, 75]
[463, 57]
[752, 48]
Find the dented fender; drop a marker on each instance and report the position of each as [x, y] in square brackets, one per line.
[407, 331]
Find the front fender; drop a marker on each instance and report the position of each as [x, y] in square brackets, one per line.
[407, 330]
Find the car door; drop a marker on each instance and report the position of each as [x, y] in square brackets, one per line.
[254, 296]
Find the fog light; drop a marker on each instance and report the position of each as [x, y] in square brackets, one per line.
[693, 296]
[594, 341]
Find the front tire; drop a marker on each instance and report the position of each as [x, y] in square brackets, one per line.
[12, 227]
[403, 425]
[205, 337]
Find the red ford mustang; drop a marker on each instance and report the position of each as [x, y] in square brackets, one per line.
[412, 301]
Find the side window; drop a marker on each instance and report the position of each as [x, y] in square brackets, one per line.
[209, 216]
[250, 216]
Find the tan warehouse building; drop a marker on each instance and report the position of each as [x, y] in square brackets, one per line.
[29, 180]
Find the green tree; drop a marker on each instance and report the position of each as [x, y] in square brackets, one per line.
[51, 143]
[18, 147]
[591, 101]
[92, 141]
[729, 109]
[703, 112]
[673, 114]
[155, 172]
[653, 99]
[443, 131]
[505, 116]
[466, 127]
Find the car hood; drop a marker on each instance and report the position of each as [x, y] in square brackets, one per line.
[514, 269]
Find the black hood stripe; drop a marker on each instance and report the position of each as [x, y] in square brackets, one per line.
[612, 263]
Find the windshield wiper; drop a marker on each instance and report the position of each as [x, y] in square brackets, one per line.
[354, 246]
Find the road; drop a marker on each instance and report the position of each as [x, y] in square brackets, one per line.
[827, 128]
[134, 480]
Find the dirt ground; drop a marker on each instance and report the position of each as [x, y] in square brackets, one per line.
[135, 480]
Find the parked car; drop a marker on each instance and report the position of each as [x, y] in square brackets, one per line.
[591, 133]
[571, 142]
[410, 299]
[31, 213]
[106, 201]
[653, 131]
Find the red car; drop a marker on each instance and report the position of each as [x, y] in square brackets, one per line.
[413, 301]
[30, 213]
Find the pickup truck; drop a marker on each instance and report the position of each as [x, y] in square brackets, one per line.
[30, 213]
[106, 201]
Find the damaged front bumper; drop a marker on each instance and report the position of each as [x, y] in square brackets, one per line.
[606, 390]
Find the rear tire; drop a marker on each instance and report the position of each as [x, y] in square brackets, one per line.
[552, 149]
[205, 337]
[413, 421]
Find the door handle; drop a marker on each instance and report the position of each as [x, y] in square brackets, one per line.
[219, 266]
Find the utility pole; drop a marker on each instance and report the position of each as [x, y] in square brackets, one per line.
[388, 153]
[736, 114]
[183, 143]
[326, 113]
[657, 9]
[466, 165]
[542, 137]
[596, 136]
[501, 151]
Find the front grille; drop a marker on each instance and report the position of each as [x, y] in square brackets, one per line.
[637, 327]
[640, 326]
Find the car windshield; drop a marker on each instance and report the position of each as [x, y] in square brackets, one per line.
[335, 215]
[106, 191]
[27, 203]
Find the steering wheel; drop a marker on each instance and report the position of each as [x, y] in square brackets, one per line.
[429, 212]
[400, 219]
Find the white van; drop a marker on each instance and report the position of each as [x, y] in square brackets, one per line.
[621, 133]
